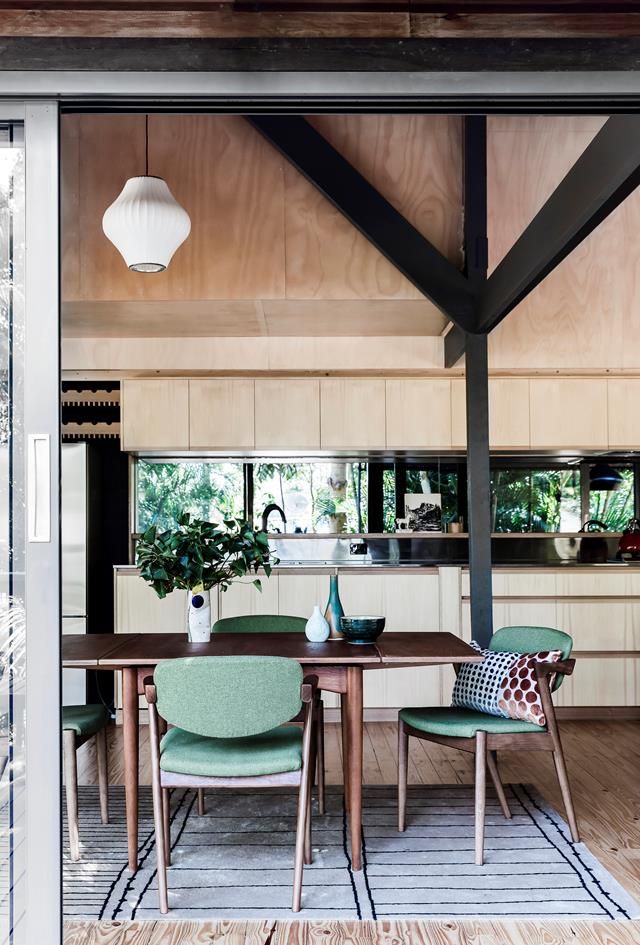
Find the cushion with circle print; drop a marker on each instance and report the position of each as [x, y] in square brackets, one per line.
[504, 684]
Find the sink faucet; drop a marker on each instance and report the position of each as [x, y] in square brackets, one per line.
[272, 507]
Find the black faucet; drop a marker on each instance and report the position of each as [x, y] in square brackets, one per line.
[272, 507]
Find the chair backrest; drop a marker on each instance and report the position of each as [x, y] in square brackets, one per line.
[260, 623]
[228, 696]
[533, 640]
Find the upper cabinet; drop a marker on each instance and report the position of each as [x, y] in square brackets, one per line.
[352, 413]
[508, 413]
[155, 414]
[221, 413]
[287, 413]
[418, 413]
[623, 414]
[568, 412]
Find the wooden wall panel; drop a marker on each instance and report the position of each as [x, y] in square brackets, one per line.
[583, 315]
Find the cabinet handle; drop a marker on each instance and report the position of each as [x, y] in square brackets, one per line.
[39, 487]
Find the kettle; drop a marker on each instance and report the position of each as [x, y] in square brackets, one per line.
[593, 550]
[629, 546]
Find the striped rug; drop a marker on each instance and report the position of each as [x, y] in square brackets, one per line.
[236, 861]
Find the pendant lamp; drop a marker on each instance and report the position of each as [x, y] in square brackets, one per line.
[145, 222]
[604, 478]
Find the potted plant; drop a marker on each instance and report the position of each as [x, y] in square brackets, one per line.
[197, 556]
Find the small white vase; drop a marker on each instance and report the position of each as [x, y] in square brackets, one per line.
[199, 616]
[317, 629]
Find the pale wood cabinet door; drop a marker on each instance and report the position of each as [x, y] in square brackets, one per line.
[352, 413]
[287, 413]
[568, 412]
[221, 413]
[155, 414]
[624, 412]
[508, 413]
[418, 413]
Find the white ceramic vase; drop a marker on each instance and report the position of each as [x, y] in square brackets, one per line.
[317, 629]
[199, 616]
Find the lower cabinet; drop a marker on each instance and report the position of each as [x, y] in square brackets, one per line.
[600, 610]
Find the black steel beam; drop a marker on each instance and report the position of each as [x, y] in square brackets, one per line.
[377, 220]
[479, 488]
[476, 246]
[602, 177]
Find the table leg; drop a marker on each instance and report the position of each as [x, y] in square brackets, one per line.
[355, 738]
[130, 726]
[345, 749]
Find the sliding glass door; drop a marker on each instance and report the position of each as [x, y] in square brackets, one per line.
[29, 523]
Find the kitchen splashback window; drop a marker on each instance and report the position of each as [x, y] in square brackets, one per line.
[211, 491]
[315, 497]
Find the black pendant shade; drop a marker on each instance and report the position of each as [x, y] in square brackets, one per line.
[604, 478]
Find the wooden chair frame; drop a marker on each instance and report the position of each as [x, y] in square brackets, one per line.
[163, 781]
[70, 744]
[485, 746]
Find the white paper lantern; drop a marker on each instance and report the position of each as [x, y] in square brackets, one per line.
[146, 224]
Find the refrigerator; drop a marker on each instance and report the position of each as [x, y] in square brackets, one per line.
[74, 560]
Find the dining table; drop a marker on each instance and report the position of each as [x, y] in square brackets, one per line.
[337, 664]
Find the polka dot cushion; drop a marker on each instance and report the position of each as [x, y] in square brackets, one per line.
[504, 684]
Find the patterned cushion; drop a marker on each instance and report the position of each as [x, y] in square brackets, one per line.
[504, 684]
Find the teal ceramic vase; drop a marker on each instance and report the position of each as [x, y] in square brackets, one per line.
[335, 611]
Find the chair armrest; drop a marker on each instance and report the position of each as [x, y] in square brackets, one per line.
[308, 688]
[565, 667]
[150, 691]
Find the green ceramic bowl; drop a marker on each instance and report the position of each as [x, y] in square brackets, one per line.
[361, 629]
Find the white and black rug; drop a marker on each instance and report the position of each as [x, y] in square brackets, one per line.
[237, 860]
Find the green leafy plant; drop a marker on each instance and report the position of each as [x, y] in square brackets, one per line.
[199, 555]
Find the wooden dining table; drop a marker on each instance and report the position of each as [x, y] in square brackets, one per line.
[338, 665]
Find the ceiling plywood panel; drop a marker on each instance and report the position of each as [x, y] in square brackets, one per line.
[584, 314]
[415, 162]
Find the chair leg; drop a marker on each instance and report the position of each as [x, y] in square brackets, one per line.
[301, 831]
[403, 763]
[71, 787]
[103, 774]
[320, 751]
[565, 788]
[481, 792]
[492, 764]
[308, 857]
[166, 824]
[201, 806]
[158, 817]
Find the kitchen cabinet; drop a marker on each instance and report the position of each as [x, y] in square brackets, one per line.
[155, 414]
[352, 413]
[418, 413]
[287, 413]
[221, 413]
[508, 413]
[568, 413]
[622, 412]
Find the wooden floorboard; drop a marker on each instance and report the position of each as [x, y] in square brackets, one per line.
[604, 766]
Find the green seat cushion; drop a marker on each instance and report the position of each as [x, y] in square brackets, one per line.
[463, 723]
[84, 720]
[272, 752]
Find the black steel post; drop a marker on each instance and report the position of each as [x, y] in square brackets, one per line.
[477, 384]
[479, 488]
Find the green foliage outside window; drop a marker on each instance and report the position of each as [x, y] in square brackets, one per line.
[614, 508]
[315, 497]
[209, 491]
[535, 500]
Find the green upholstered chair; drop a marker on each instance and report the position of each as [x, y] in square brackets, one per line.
[79, 724]
[485, 734]
[278, 623]
[228, 715]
